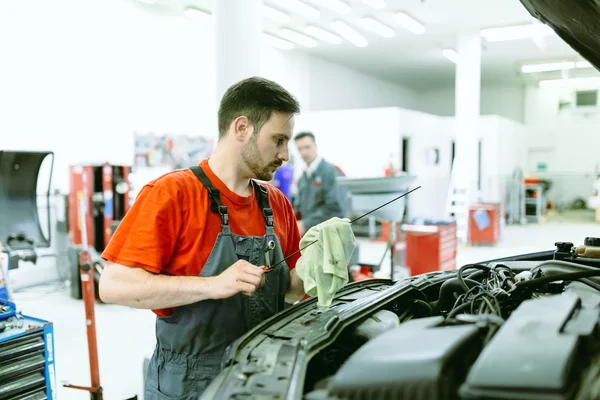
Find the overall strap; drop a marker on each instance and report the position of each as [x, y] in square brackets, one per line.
[213, 194]
[263, 202]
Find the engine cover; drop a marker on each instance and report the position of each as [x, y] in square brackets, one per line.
[418, 360]
[538, 353]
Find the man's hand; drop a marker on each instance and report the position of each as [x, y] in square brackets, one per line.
[241, 277]
[301, 228]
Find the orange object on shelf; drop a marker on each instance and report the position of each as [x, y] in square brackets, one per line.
[484, 223]
[430, 247]
[531, 180]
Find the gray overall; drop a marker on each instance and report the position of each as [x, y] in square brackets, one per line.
[192, 341]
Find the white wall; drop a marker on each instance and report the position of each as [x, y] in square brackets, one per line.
[567, 140]
[335, 87]
[506, 101]
[80, 77]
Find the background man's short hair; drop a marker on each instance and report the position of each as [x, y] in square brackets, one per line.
[305, 134]
[256, 98]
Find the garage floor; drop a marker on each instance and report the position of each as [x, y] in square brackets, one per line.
[126, 336]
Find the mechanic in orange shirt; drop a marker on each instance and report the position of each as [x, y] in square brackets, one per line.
[192, 245]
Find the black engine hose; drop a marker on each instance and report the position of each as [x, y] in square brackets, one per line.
[450, 289]
[467, 266]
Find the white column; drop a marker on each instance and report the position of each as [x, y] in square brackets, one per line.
[238, 27]
[467, 92]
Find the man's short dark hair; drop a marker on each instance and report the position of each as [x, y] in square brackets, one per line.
[256, 98]
[302, 135]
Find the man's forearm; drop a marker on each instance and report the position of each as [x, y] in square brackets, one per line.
[137, 288]
[295, 291]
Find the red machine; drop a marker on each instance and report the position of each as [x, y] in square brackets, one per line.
[430, 247]
[106, 190]
[484, 223]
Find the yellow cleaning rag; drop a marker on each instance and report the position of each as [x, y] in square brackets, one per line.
[323, 266]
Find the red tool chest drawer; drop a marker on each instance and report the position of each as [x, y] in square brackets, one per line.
[430, 247]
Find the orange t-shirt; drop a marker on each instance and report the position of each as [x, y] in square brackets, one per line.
[170, 229]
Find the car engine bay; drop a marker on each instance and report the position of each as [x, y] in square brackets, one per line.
[519, 328]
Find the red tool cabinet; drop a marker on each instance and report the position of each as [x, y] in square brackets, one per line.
[104, 188]
[430, 247]
[484, 223]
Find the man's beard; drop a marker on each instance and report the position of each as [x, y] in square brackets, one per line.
[252, 158]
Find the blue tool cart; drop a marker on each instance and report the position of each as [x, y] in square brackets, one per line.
[26, 358]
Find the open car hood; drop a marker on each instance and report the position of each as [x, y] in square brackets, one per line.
[419, 338]
[575, 21]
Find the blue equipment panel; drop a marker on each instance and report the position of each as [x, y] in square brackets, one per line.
[27, 359]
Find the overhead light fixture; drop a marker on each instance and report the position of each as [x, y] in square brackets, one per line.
[376, 4]
[378, 28]
[277, 42]
[349, 33]
[297, 38]
[409, 23]
[517, 32]
[275, 15]
[338, 6]
[197, 14]
[451, 55]
[300, 7]
[322, 34]
[148, 1]
[555, 66]
[557, 83]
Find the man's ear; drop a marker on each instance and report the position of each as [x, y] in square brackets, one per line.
[242, 129]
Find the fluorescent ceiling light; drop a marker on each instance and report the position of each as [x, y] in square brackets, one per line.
[516, 32]
[322, 34]
[299, 7]
[378, 27]
[376, 4]
[338, 6]
[277, 42]
[297, 38]
[557, 83]
[451, 55]
[349, 33]
[148, 1]
[275, 15]
[409, 23]
[197, 14]
[555, 66]
[583, 64]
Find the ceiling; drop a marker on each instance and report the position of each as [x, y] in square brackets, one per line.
[416, 61]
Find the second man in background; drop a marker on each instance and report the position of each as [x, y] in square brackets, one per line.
[319, 196]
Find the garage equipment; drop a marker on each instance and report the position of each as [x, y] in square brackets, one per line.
[377, 197]
[19, 211]
[430, 246]
[104, 190]
[485, 223]
[516, 199]
[85, 266]
[27, 368]
[23, 211]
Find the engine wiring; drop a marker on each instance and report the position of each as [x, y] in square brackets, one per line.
[491, 293]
